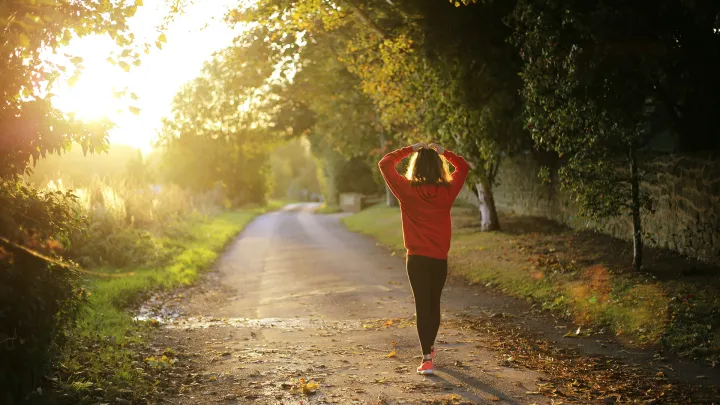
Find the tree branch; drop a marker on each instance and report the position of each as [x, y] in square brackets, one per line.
[55, 262]
[495, 168]
[365, 19]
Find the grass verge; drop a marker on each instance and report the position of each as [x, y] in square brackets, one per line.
[328, 209]
[104, 359]
[583, 275]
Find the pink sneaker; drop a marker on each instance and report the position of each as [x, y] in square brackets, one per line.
[426, 368]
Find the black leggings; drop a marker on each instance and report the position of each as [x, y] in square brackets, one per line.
[427, 279]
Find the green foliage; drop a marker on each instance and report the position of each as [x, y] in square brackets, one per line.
[219, 132]
[330, 165]
[601, 79]
[39, 302]
[344, 119]
[427, 71]
[39, 297]
[588, 108]
[32, 217]
[294, 170]
[356, 176]
[131, 225]
[31, 127]
[79, 169]
[138, 171]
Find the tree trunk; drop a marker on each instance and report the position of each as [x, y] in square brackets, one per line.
[637, 224]
[330, 192]
[390, 199]
[488, 214]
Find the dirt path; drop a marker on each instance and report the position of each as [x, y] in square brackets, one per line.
[299, 297]
[301, 311]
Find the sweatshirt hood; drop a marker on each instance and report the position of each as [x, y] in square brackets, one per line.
[431, 194]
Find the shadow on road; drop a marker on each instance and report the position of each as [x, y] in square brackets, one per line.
[470, 381]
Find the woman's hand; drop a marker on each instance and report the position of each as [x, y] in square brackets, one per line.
[420, 145]
[439, 149]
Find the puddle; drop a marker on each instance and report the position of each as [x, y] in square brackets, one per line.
[159, 308]
[163, 310]
[200, 322]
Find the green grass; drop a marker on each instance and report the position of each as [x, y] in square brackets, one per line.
[105, 350]
[328, 209]
[380, 222]
[540, 263]
[109, 296]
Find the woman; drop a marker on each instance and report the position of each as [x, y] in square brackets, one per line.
[426, 194]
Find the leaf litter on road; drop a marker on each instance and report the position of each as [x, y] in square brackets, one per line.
[576, 377]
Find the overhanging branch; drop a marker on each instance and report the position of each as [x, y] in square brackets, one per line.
[365, 19]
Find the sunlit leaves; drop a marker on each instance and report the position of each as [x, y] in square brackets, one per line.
[219, 132]
[124, 66]
[32, 127]
[160, 41]
[415, 88]
[24, 40]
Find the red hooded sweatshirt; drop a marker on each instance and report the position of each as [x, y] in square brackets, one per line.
[425, 208]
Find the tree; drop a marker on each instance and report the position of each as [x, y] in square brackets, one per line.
[39, 297]
[345, 126]
[422, 82]
[595, 77]
[319, 99]
[294, 170]
[29, 126]
[225, 122]
[471, 88]
[212, 140]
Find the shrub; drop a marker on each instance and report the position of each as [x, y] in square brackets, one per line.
[111, 225]
[131, 225]
[39, 303]
[38, 296]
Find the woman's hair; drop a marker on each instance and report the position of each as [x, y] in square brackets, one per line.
[427, 167]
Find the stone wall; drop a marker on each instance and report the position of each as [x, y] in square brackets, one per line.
[685, 190]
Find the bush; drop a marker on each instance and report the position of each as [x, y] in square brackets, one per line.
[103, 225]
[38, 296]
[131, 225]
[38, 303]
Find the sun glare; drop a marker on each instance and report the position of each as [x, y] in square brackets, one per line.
[191, 40]
[93, 95]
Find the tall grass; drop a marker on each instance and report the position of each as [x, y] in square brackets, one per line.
[132, 225]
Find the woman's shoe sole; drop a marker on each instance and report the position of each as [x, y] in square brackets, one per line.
[426, 372]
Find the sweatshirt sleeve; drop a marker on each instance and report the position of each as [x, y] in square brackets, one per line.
[398, 184]
[459, 175]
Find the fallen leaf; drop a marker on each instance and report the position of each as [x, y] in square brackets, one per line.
[310, 388]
